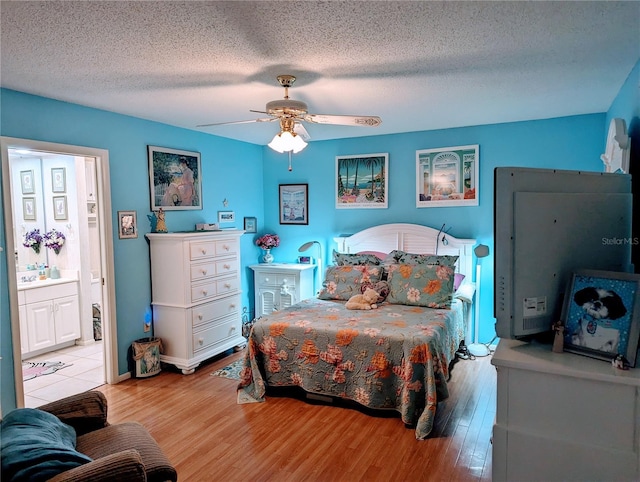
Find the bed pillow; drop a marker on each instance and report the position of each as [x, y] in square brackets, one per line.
[402, 257]
[420, 285]
[465, 292]
[37, 446]
[347, 259]
[342, 282]
[458, 278]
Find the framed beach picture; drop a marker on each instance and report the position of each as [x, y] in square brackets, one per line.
[58, 179]
[294, 204]
[362, 181]
[60, 208]
[29, 208]
[447, 176]
[601, 315]
[226, 217]
[127, 225]
[27, 182]
[175, 179]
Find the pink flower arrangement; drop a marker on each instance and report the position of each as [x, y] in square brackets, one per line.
[268, 241]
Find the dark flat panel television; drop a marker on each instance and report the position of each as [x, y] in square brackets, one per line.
[547, 224]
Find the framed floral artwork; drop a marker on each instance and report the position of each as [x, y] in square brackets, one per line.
[60, 208]
[447, 176]
[29, 208]
[175, 179]
[127, 225]
[58, 179]
[27, 182]
[362, 181]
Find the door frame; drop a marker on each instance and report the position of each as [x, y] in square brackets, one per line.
[109, 326]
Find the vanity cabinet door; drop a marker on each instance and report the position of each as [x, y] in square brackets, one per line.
[67, 318]
[24, 338]
[40, 325]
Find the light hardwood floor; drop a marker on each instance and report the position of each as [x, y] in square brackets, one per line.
[209, 437]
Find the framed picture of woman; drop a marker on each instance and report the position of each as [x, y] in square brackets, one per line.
[174, 179]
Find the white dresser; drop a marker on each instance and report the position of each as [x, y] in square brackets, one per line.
[564, 417]
[195, 282]
[280, 285]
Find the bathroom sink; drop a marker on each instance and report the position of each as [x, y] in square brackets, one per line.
[42, 283]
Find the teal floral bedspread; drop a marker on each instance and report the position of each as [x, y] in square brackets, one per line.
[394, 357]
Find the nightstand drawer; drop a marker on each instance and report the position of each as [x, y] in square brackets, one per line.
[215, 333]
[275, 279]
[215, 309]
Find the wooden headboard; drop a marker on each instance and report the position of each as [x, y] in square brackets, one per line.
[412, 238]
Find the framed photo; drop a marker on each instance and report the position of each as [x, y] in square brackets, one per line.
[362, 181]
[29, 208]
[601, 315]
[27, 182]
[250, 225]
[58, 180]
[226, 217]
[304, 259]
[294, 204]
[175, 179]
[447, 176]
[127, 225]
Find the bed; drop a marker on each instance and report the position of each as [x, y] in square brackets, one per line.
[396, 357]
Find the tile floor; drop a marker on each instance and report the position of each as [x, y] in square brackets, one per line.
[86, 371]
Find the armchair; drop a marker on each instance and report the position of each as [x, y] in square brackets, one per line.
[123, 452]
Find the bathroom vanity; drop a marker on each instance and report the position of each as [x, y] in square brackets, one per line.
[49, 315]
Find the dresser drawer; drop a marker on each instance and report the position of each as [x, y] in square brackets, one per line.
[215, 333]
[215, 287]
[202, 271]
[275, 279]
[214, 309]
[209, 248]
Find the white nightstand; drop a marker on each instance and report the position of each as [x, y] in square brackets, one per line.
[280, 285]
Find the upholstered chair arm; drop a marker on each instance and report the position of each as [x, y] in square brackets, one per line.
[85, 412]
[125, 466]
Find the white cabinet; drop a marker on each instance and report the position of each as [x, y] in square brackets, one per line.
[564, 417]
[195, 280]
[280, 285]
[49, 318]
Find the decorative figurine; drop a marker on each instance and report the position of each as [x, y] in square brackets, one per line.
[558, 340]
[161, 226]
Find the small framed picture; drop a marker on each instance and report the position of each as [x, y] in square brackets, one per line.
[60, 208]
[226, 217]
[58, 180]
[27, 182]
[294, 204]
[127, 225]
[250, 225]
[601, 315]
[29, 208]
[305, 259]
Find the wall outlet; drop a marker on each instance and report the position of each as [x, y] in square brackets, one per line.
[147, 327]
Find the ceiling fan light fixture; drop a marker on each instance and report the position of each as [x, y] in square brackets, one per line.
[286, 141]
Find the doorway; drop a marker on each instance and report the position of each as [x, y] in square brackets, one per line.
[75, 199]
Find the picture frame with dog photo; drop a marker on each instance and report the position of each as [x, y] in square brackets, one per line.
[601, 315]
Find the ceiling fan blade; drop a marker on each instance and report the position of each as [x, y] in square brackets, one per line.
[344, 120]
[265, 119]
[301, 131]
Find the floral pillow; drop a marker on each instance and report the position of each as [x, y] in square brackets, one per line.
[420, 285]
[344, 259]
[342, 282]
[402, 257]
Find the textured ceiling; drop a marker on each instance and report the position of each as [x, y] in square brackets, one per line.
[418, 65]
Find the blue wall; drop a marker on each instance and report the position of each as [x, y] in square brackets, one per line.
[248, 176]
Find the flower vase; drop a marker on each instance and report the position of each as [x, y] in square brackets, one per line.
[267, 257]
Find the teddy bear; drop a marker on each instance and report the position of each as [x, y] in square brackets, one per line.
[365, 301]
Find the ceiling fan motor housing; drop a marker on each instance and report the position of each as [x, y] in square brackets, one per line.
[286, 107]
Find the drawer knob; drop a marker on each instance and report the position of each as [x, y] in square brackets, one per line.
[204, 292]
[227, 285]
[204, 251]
[232, 305]
[199, 316]
[226, 247]
[227, 266]
[200, 341]
[204, 271]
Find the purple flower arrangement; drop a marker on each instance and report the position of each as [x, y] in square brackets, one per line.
[268, 241]
[54, 239]
[33, 239]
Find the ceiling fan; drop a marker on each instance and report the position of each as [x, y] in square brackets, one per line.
[291, 113]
